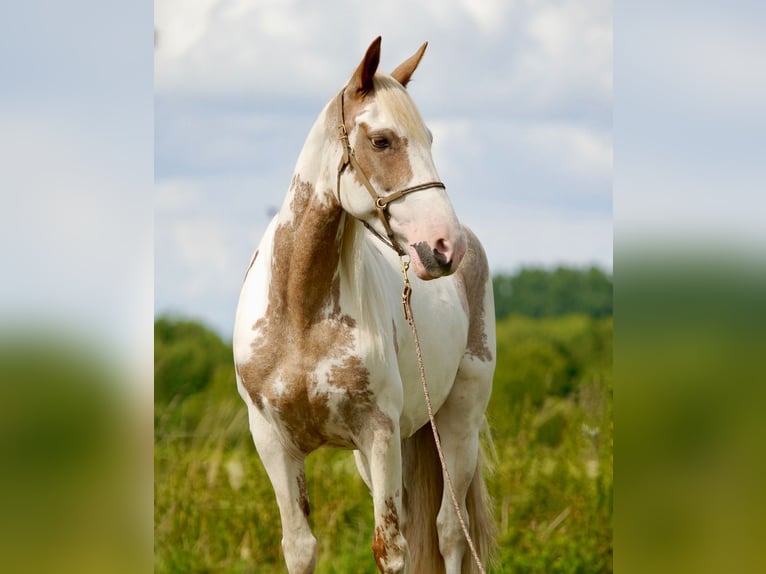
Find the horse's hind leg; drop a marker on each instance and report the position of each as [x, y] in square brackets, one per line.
[287, 473]
[363, 467]
[460, 421]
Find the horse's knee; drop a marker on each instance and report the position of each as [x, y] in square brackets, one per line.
[300, 553]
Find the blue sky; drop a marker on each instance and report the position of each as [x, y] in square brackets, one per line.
[518, 96]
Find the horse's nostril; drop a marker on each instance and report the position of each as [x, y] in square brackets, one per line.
[441, 258]
[442, 252]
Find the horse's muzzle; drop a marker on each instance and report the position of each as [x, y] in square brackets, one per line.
[437, 261]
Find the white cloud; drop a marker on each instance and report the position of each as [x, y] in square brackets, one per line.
[541, 54]
[514, 236]
[176, 196]
[232, 48]
[580, 150]
[197, 242]
[569, 51]
[489, 15]
[690, 124]
[204, 244]
[664, 196]
[711, 64]
[78, 235]
[204, 239]
[182, 24]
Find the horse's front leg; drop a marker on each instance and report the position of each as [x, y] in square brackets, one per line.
[381, 449]
[286, 472]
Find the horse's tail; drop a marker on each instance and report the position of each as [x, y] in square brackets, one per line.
[423, 484]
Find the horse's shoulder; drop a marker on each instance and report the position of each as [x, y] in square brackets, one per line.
[472, 280]
[473, 273]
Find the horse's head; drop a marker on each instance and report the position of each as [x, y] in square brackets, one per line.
[388, 178]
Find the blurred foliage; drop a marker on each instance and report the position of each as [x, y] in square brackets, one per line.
[187, 356]
[550, 416]
[72, 473]
[538, 292]
[690, 360]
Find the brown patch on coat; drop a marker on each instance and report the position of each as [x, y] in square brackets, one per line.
[471, 280]
[302, 327]
[382, 541]
[396, 337]
[389, 169]
[303, 497]
[353, 104]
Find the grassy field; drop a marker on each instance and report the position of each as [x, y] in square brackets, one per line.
[550, 417]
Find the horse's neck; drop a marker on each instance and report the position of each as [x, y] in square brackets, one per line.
[308, 239]
[318, 252]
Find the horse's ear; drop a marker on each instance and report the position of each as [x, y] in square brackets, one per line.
[361, 81]
[403, 73]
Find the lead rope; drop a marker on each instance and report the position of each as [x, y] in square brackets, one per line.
[406, 296]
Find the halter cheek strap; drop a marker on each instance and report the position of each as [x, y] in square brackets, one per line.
[381, 201]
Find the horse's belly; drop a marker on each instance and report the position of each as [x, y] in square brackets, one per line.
[442, 328]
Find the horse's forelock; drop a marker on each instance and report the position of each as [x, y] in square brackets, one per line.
[396, 102]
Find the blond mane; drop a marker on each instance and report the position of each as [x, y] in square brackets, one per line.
[363, 278]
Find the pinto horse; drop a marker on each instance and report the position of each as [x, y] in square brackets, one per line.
[324, 354]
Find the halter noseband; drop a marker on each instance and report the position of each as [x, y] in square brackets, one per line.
[381, 202]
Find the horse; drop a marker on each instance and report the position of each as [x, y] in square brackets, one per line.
[322, 348]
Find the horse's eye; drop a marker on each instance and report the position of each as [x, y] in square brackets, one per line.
[380, 142]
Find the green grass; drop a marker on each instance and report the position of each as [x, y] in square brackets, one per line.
[550, 417]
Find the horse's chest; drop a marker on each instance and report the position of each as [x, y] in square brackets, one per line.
[311, 383]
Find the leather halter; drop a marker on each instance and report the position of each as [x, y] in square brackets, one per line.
[381, 201]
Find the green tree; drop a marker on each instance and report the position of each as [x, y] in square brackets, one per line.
[537, 292]
[186, 357]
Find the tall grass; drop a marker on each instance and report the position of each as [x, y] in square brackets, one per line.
[550, 417]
